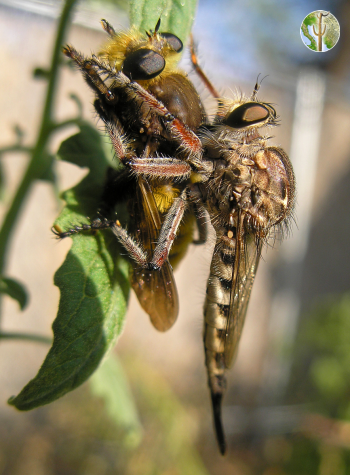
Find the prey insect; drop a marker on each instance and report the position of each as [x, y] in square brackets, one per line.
[150, 110]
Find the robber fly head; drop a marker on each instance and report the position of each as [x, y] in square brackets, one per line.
[246, 113]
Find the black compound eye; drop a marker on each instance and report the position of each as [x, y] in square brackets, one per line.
[173, 41]
[143, 64]
[247, 114]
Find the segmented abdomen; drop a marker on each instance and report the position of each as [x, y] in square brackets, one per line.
[216, 313]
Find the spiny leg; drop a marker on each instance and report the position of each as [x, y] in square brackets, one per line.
[160, 167]
[97, 224]
[202, 220]
[92, 69]
[155, 167]
[134, 249]
[166, 238]
[90, 73]
[186, 138]
[168, 231]
[119, 140]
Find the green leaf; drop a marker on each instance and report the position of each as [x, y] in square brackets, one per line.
[176, 15]
[85, 149]
[15, 290]
[121, 4]
[93, 282]
[110, 383]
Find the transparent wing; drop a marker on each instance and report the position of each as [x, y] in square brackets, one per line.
[248, 252]
[155, 290]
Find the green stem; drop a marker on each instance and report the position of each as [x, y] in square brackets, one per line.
[26, 336]
[37, 164]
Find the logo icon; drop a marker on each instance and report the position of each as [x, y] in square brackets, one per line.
[320, 31]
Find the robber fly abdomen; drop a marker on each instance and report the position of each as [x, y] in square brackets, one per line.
[216, 314]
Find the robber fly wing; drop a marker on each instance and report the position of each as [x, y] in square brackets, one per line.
[155, 290]
[246, 262]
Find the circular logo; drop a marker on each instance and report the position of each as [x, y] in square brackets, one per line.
[320, 31]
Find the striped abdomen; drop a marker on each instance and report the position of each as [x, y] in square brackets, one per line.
[216, 313]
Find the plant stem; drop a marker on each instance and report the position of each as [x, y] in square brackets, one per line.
[26, 336]
[37, 164]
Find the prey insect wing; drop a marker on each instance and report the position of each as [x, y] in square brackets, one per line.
[155, 290]
[245, 267]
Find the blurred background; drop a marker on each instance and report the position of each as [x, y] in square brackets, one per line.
[287, 408]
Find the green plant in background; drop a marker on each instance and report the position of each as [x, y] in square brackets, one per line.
[321, 381]
[323, 356]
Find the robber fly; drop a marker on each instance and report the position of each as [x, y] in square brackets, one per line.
[249, 193]
[150, 110]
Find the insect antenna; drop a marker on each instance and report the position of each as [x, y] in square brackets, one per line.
[257, 87]
[157, 27]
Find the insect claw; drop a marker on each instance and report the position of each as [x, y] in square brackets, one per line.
[58, 234]
[56, 229]
[152, 266]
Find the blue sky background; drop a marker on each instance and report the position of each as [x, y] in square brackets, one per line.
[244, 37]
